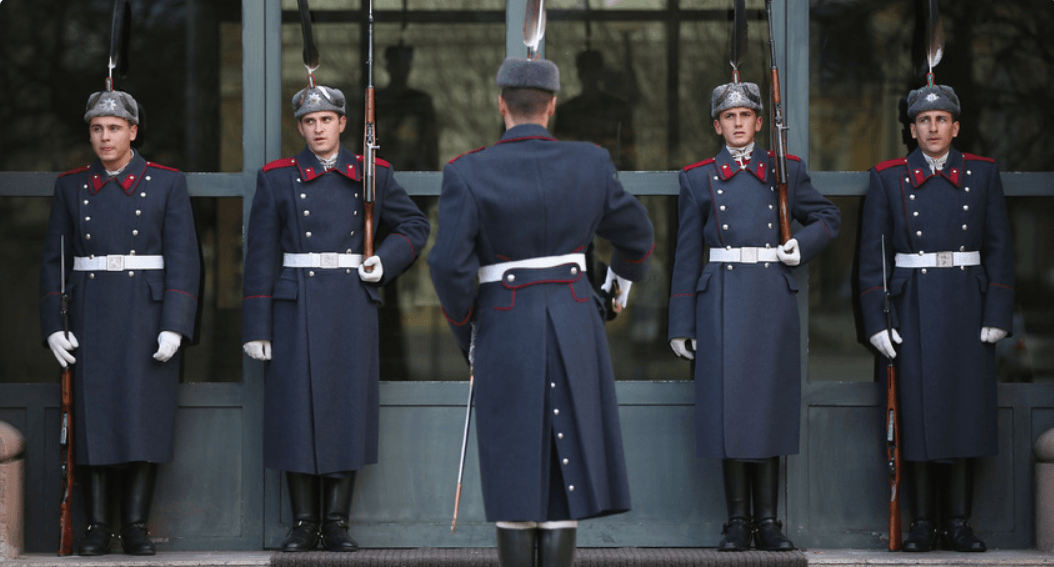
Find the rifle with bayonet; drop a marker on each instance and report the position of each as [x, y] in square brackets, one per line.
[892, 421]
[369, 145]
[66, 432]
[779, 136]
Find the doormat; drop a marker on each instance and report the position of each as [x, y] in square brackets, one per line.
[584, 557]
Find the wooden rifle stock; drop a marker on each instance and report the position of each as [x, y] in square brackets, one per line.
[369, 149]
[893, 455]
[66, 459]
[779, 136]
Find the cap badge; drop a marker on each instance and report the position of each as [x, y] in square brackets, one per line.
[932, 97]
[313, 98]
[110, 104]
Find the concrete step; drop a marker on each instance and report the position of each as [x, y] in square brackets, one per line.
[586, 557]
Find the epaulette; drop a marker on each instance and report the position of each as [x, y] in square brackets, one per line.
[789, 156]
[699, 164]
[891, 163]
[455, 158]
[380, 161]
[78, 170]
[279, 163]
[977, 158]
[159, 166]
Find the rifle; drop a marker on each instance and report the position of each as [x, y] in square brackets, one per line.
[369, 146]
[892, 422]
[779, 137]
[66, 433]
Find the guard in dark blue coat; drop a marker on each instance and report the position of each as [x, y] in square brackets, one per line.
[741, 311]
[508, 266]
[310, 309]
[951, 280]
[132, 277]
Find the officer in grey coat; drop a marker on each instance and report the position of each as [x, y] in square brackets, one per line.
[132, 278]
[310, 310]
[949, 258]
[508, 266]
[741, 310]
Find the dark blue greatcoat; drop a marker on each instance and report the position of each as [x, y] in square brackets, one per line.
[744, 316]
[946, 375]
[321, 399]
[124, 400]
[541, 361]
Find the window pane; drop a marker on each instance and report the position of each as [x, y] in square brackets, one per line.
[997, 57]
[184, 69]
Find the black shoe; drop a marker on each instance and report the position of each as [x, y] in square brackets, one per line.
[738, 532]
[303, 537]
[921, 538]
[768, 537]
[335, 537]
[135, 540]
[958, 536]
[96, 541]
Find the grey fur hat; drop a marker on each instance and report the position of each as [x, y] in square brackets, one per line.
[317, 99]
[112, 103]
[734, 95]
[937, 97]
[529, 73]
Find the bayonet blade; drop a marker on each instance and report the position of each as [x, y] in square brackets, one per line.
[739, 36]
[120, 30]
[534, 27]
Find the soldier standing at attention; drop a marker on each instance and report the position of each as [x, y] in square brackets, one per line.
[943, 217]
[310, 309]
[508, 265]
[741, 309]
[132, 276]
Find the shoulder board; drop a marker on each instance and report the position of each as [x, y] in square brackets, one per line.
[977, 158]
[791, 157]
[481, 148]
[78, 170]
[891, 163]
[380, 161]
[699, 164]
[280, 163]
[159, 166]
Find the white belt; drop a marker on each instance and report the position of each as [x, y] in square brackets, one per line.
[324, 260]
[117, 263]
[745, 255]
[493, 272]
[938, 260]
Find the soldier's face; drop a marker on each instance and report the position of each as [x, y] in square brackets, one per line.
[738, 126]
[111, 138]
[934, 130]
[321, 130]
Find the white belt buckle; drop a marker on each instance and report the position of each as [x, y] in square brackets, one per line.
[114, 263]
[329, 260]
[945, 260]
[748, 255]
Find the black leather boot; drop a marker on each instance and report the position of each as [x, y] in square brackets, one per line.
[99, 536]
[138, 491]
[303, 497]
[336, 509]
[516, 547]
[556, 548]
[958, 500]
[767, 534]
[922, 536]
[739, 529]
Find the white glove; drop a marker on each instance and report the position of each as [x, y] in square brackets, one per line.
[376, 274]
[789, 253]
[881, 341]
[623, 288]
[167, 345]
[62, 348]
[680, 348]
[992, 334]
[260, 350]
